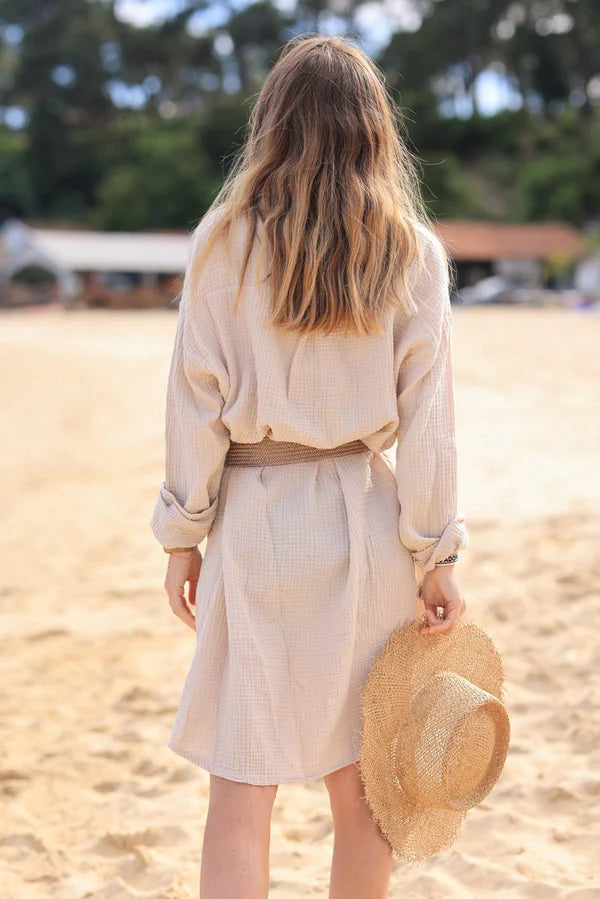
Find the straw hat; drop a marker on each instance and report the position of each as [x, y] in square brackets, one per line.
[435, 734]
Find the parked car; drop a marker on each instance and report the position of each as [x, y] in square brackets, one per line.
[493, 289]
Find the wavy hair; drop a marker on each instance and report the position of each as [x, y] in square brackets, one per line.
[325, 170]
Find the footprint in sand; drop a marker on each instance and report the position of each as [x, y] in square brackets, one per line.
[141, 701]
[538, 890]
[148, 768]
[147, 870]
[591, 893]
[12, 781]
[312, 833]
[557, 794]
[109, 786]
[116, 889]
[22, 841]
[30, 856]
[182, 775]
[134, 787]
[48, 635]
[112, 844]
[591, 787]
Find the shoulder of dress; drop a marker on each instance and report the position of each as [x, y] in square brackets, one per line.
[428, 283]
[433, 249]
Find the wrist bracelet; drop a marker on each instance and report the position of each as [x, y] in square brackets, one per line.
[449, 560]
[178, 549]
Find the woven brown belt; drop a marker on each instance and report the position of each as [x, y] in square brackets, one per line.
[284, 452]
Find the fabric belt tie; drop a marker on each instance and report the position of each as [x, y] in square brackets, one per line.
[285, 452]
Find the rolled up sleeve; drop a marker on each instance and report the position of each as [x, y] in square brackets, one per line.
[430, 526]
[196, 439]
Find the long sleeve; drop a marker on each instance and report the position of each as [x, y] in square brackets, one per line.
[196, 439]
[430, 525]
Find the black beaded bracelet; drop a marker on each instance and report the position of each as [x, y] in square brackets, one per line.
[449, 560]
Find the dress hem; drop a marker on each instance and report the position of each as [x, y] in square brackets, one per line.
[227, 773]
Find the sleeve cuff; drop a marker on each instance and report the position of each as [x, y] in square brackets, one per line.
[454, 539]
[174, 525]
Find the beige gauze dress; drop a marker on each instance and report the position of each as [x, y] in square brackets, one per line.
[308, 566]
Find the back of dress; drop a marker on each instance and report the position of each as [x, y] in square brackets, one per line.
[308, 566]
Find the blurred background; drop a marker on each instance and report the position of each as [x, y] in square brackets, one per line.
[118, 123]
[123, 117]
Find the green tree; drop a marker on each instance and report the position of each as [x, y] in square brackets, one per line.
[17, 197]
[60, 81]
[165, 180]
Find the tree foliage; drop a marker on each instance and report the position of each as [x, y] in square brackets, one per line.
[120, 126]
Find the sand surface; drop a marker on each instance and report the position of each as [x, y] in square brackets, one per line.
[94, 804]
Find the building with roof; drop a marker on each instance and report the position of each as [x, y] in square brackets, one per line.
[126, 270]
[526, 253]
[92, 268]
[118, 269]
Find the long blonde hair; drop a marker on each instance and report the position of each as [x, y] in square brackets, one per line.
[326, 171]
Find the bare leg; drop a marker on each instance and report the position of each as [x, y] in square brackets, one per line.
[235, 848]
[362, 861]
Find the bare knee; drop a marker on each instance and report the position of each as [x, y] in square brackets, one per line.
[241, 800]
[345, 789]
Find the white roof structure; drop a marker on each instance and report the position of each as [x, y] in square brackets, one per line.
[18, 252]
[119, 251]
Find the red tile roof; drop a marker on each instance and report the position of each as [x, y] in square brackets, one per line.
[467, 240]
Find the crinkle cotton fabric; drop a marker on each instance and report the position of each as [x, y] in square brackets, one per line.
[308, 566]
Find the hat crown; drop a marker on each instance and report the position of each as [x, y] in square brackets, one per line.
[450, 747]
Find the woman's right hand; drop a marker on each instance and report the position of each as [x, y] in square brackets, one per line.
[439, 588]
[183, 568]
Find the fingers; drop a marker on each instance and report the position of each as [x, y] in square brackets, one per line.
[453, 609]
[182, 569]
[181, 609]
[179, 605]
[442, 625]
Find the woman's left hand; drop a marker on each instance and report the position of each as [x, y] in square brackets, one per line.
[183, 567]
[439, 588]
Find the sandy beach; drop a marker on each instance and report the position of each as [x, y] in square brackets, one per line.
[92, 661]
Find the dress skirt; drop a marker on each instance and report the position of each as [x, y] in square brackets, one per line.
[303, 579]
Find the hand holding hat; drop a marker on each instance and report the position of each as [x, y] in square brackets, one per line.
[435, 734]
[442, 600]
